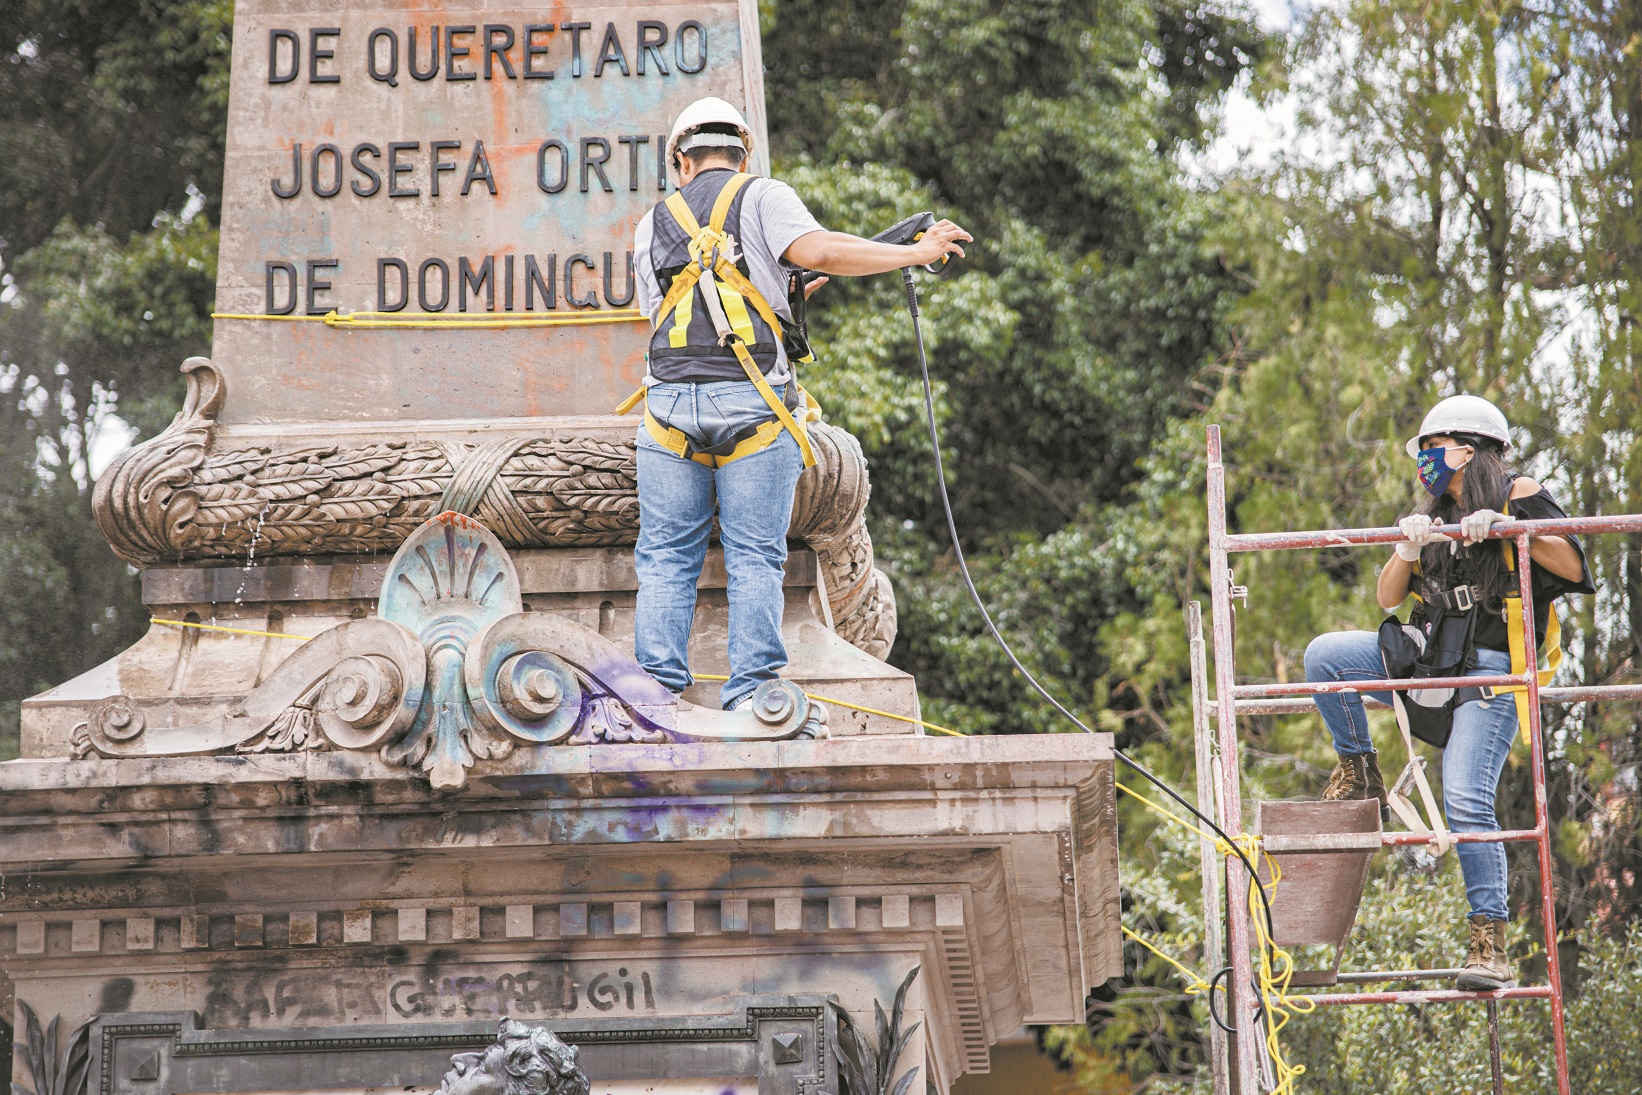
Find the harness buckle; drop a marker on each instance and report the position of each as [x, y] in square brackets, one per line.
[1462, 599]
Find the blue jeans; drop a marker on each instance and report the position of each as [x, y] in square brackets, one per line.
[754, 497]
[1471, 764]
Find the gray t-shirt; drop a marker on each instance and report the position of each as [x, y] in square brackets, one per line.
[772, 216]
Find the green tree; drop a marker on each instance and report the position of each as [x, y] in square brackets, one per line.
[111, 139]
[1419, 248]
[1063, 347]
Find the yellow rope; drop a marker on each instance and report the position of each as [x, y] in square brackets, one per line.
[1220, 845]
[1195, 984]
[1274, 972]
[361, 321]
[229, 630]
[854, 707]
[1276, 966]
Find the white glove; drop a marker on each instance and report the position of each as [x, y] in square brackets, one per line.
[1418, 530]
[1475, 525]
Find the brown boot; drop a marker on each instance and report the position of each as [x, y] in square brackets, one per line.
[1357, 776]
[1486, 968]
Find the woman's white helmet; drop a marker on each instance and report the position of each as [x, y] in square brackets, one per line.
[1463, 414]
[705, 112]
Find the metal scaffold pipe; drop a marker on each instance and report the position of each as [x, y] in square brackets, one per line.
[1232, 699]
[1241, 1009]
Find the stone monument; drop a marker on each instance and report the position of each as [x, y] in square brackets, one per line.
[383, 772]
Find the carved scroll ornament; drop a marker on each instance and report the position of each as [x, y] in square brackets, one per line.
[177, 497]
[451, 672]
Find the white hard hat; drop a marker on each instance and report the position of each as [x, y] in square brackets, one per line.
[1463, 414]
[704, 112]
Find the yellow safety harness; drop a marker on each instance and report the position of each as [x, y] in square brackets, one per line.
[727, 293]
[1517, 639]
[1413, 774]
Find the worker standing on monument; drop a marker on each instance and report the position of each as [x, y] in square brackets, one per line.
[724, 418]
[1467, 621]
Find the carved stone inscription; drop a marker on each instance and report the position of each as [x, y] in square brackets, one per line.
[556, 990]
[434, 990]
[481, 157]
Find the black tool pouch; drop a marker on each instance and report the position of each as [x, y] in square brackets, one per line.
[1432, 644]
[795, 338]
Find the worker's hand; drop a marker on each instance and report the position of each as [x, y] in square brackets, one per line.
[939, 242]
[1475, 526]
[1417, 528]
[809, 290]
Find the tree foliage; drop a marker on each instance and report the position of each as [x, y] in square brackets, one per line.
[111, 140]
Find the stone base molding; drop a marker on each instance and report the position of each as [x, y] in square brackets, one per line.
[451, 671]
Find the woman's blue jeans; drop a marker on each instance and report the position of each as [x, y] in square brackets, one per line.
[754, 498]
[1471, 764]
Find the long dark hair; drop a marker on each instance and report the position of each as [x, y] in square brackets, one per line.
[1487, 485]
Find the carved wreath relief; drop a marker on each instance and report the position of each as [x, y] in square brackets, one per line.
[179, 497]
[449, 672]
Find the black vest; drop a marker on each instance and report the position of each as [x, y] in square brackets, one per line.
[684, 346]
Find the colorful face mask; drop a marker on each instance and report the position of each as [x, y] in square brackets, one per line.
[1436, 467]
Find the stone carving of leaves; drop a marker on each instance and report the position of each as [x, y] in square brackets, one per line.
[293, 521]
[598, 492]
[531, 462]
[227, 503]
[618, 521]
[424, 473]
[292, 730]
[313, 454]
[597, 454]
[418, 508]
[222, 467]
[358, 499]
[524, 486]
[362, 530]
[544, 504]
[286, 481]
[608, 722]
[358, 463]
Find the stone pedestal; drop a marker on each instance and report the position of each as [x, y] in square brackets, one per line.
[384, 770]
[593, 888]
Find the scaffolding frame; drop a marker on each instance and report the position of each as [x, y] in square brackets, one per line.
[1219, 770]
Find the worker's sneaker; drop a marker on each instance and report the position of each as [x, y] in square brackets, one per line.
[1486, 967]
[1357, 776]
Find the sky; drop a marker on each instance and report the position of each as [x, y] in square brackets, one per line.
[1250, 133]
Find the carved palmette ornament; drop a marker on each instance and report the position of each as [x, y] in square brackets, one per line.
[177, 497]
[449, 673]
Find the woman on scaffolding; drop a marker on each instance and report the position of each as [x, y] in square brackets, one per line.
[1466, 599]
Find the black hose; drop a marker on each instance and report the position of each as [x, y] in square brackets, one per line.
[1214, 983]
[963, 569]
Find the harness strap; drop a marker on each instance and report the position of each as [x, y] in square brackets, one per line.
[712, 251]
[1517, 639]
[1414, 773]
[743, 443]
[750, 367]
[1515, 629]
